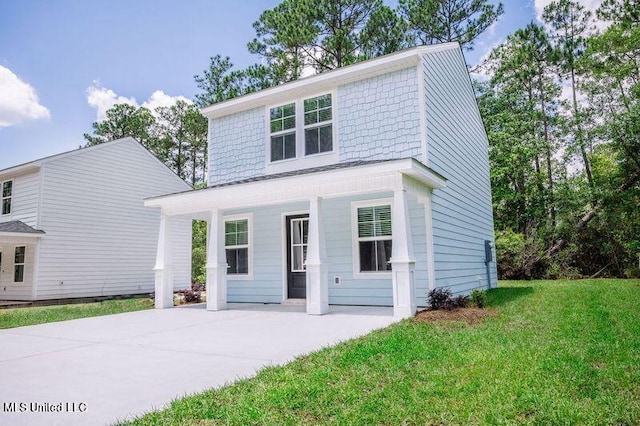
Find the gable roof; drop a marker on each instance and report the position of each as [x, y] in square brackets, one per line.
[36, 164]
[326, 80]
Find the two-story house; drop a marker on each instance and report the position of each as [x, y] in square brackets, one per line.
[74, 224]
[366, 185]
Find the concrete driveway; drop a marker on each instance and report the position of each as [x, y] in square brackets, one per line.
[100, 370]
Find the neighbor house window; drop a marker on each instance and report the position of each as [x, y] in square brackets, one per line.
[7, 191]
[18, 265]
[283, 132]
[374, 238]
[318, 129]
[236, 238]
[311, 133]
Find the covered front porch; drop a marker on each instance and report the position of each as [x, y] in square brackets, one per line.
[316, 195]
[19, 244]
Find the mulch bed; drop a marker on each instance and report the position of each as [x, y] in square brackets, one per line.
[468, 315]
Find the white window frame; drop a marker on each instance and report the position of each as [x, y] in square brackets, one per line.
[10, 197]
[249, 218]
[23, 263]
[293, 130]
[301, 160]
[302, 244]
[355, 239]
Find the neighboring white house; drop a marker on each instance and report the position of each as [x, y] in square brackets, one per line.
[366, 185]
[74, 224]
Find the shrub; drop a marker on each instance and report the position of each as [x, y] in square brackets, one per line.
[457, 302]
[191, 296]
[197, 286]
[478, 298]
[439, 298]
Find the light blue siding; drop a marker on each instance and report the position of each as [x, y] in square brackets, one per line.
[268, 256]
[378, 117]
[458, 149]
[237, 146]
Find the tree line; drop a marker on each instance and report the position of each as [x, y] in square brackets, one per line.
[561, 105]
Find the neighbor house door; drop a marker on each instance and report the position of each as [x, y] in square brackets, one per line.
[297, 233]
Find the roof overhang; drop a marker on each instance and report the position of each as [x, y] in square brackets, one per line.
[20, 235]
[404, 174]
[326, 81]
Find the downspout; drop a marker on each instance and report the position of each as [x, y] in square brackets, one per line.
[488, 257]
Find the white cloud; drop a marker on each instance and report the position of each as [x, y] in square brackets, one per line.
[102, 99]
[590, 5]
[161, 99]
[18, 100]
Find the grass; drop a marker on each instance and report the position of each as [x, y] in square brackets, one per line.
[560, 352]
[17, 317]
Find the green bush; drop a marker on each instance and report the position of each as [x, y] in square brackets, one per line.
[518, 256]
[478, 298]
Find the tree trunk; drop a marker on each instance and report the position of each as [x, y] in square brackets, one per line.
[579, 133]
[545, 125]
[590, 214]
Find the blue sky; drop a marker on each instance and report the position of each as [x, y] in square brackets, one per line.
[78, 57]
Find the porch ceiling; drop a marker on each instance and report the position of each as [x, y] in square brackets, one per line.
[331, 182]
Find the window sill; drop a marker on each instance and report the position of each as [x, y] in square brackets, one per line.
[300, 163]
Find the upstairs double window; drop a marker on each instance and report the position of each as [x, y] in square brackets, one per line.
[301, 128]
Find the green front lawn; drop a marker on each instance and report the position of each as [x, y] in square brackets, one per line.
[17, 317]
[560, 352]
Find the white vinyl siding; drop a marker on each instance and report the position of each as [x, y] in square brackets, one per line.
[24, 199]
[100, 239]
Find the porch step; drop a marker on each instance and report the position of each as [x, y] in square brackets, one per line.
[295, 302]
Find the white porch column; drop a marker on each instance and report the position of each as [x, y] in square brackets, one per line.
[402, 259]
[317, 268]
[164, 265]
[216, 263]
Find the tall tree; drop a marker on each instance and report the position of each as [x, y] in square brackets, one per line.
[221, 81]
[323, 34]
[441, 21]
[124, 120]
[182, 130]
[569, 22]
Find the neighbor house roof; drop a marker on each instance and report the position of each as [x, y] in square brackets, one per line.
[326, 80]
[18, 227]
[33, 166]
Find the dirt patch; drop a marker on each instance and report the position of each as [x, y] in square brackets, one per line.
[468, 315]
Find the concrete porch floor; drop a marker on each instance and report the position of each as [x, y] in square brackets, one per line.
[125, 365]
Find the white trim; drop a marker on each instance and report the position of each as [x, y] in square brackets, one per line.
[36, 266]
[422, 110]
[23, 264]
[21, 235]
[364, 179]
[431, 264]
[301, 87]
[301, 160]
[283, 252]
[355, 247]
[249, 218]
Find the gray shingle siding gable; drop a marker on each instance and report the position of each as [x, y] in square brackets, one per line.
[237, 146]
[378, 117]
